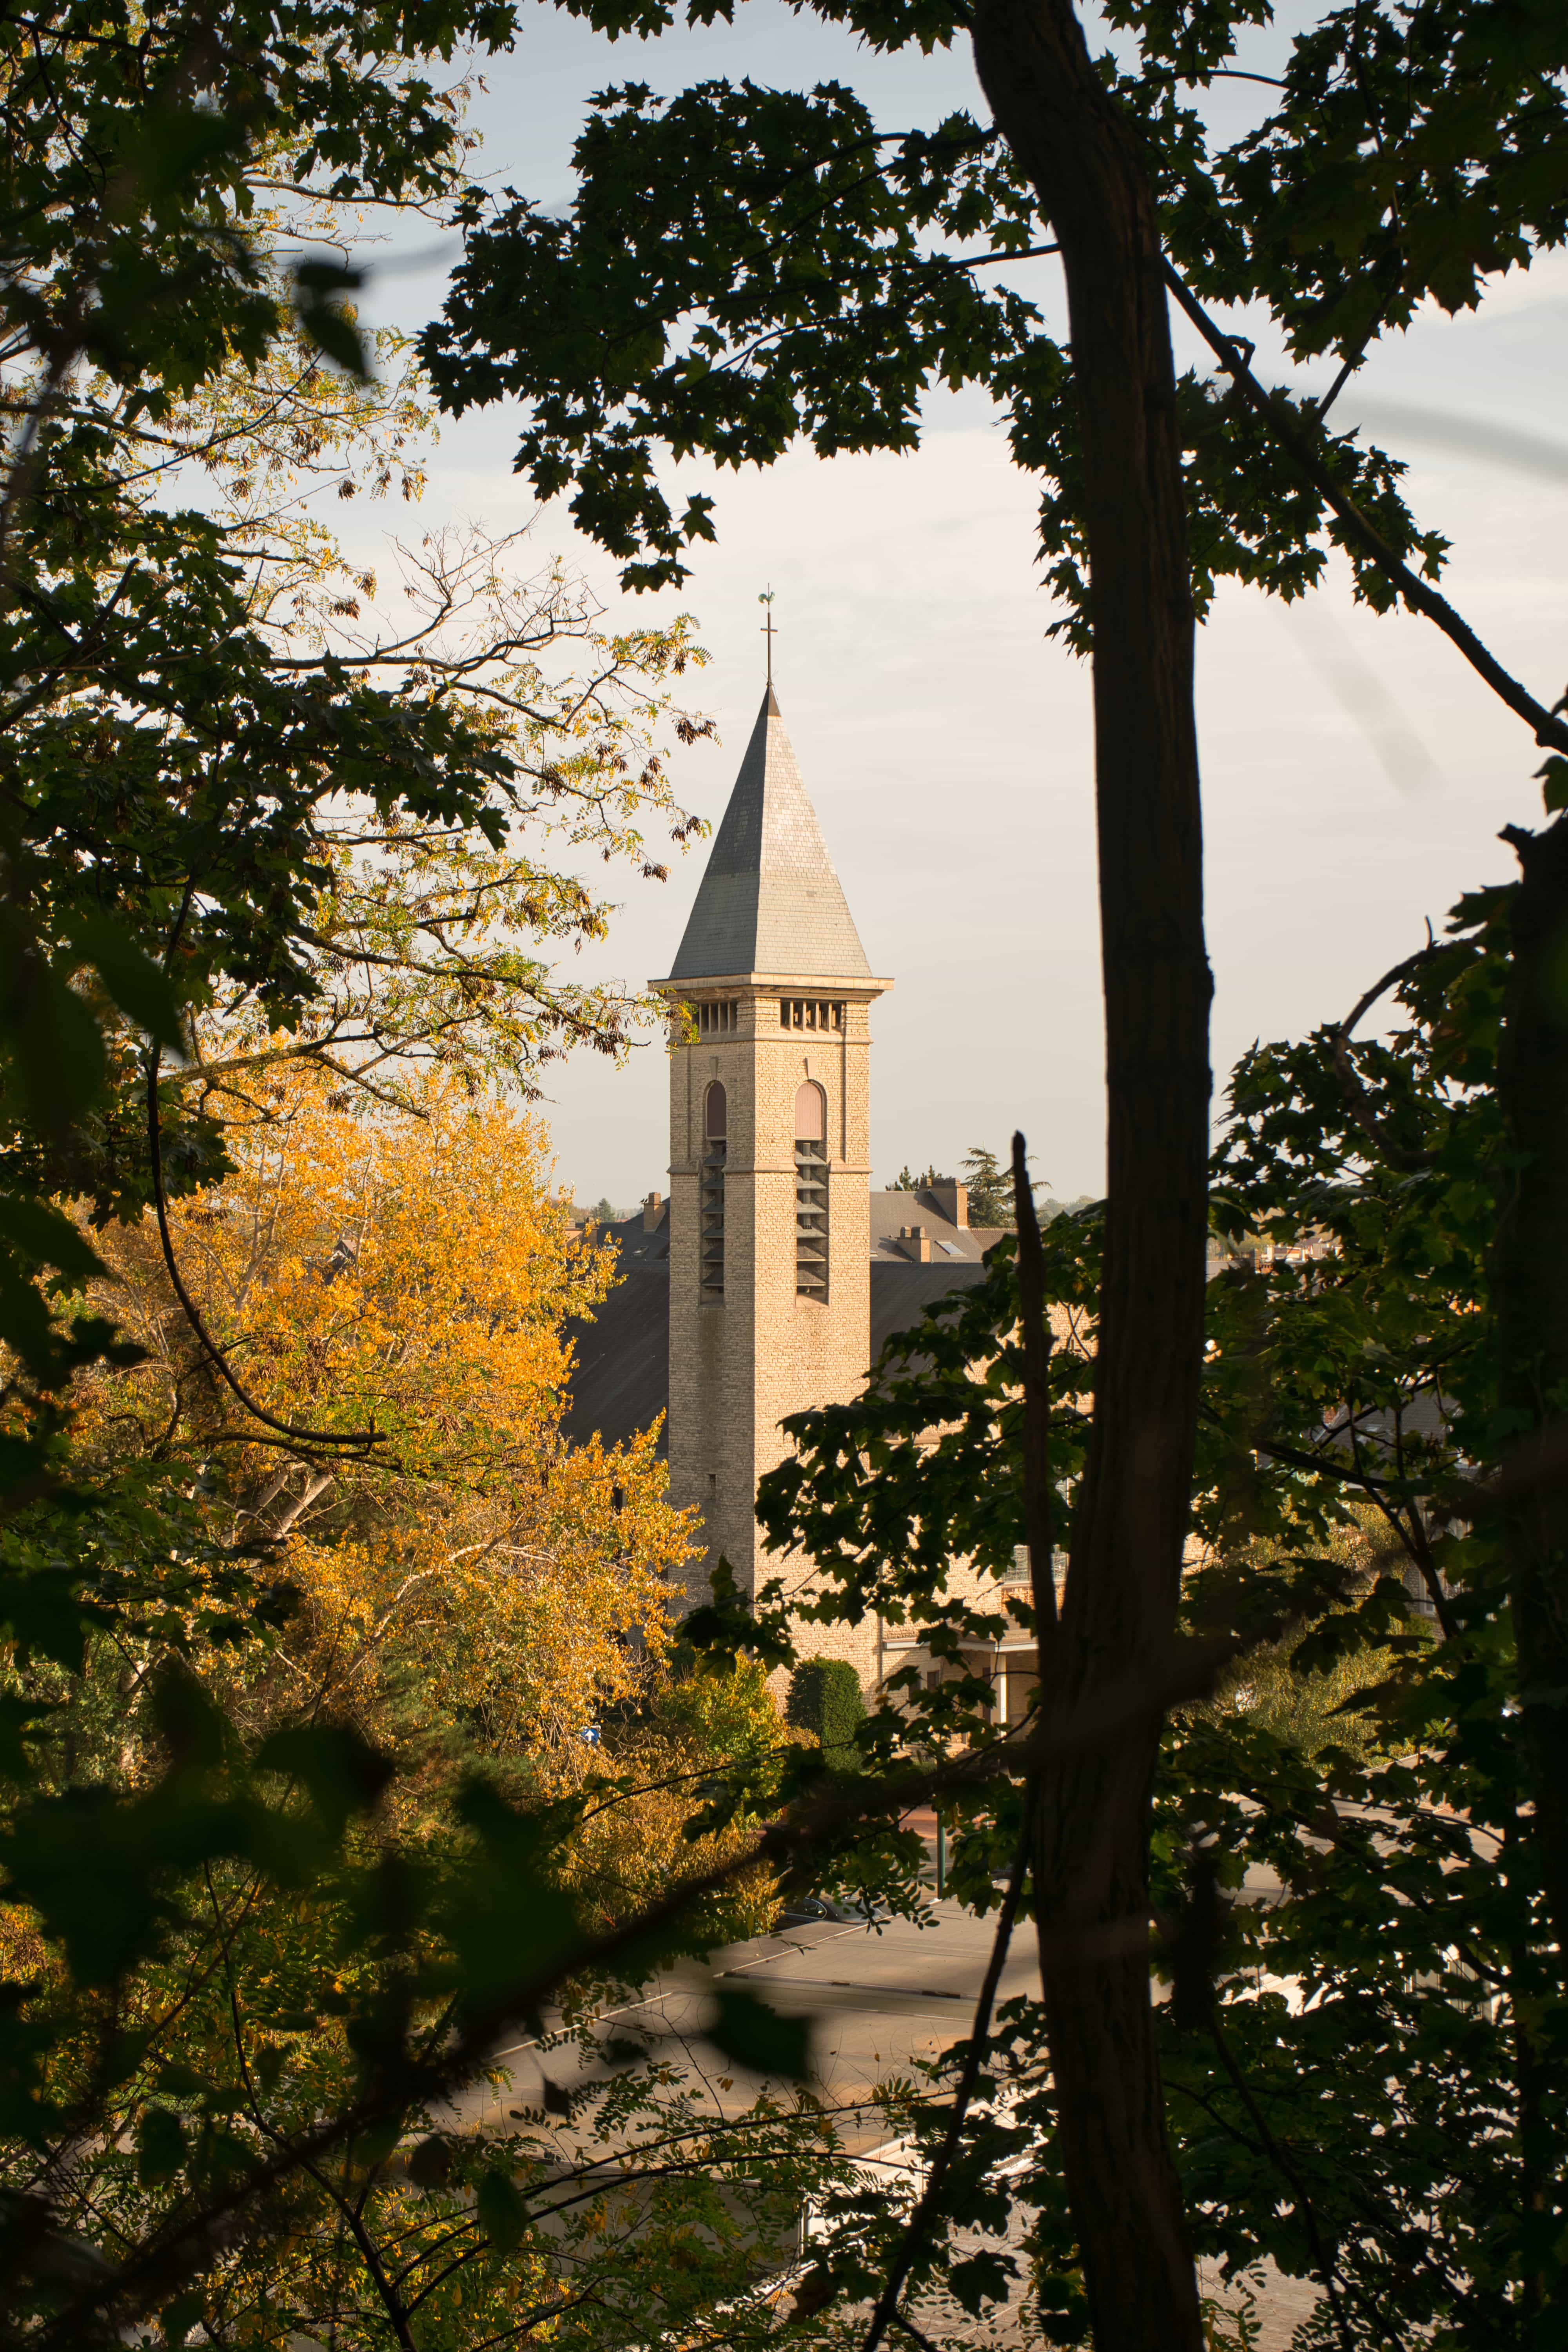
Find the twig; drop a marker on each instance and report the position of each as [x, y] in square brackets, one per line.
[901, 2319]
[1326, 2270]
[1358, 1101]
[1391, 979]
[1038, 1512]
[974, 2056]
[215, 1354]
[1550, 730]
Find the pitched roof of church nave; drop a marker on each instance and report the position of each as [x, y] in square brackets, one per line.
[620, 1379]
[770, 900]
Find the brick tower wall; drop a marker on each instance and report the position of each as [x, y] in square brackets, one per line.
[738, 1368]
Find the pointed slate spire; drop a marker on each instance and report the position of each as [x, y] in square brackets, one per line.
[770, 900]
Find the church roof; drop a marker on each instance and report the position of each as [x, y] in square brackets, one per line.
[620, 1375]
[770, 900]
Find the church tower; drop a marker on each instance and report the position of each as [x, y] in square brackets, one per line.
[769, 1153]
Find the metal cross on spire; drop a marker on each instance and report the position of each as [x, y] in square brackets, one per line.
[768, 629]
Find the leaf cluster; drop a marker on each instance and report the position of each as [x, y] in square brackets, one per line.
[743, 267]
[1363, 2043]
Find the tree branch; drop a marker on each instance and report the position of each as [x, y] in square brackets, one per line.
[1550, 730]
[361, 1438]
[931, 2194]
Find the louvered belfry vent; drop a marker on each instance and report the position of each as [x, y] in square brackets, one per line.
[811, 1220]
[710, 1196]
[810, 1193]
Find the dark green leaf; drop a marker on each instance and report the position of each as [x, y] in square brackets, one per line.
[143, 992]
[501, 2209]
[746, 2030]
[343, 1773]
[45, 1234]
[160, 2145]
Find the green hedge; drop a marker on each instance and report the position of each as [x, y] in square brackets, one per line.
[825, 1699]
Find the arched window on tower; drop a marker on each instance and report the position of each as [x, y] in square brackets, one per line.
[811, 1193]
[711, 1193]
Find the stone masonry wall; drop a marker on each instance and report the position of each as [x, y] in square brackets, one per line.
[738, 1368]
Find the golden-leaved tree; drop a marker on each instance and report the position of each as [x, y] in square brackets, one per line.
[472, 1595]
[290, 815]
[467, 1579]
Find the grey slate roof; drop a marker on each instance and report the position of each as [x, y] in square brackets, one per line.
[958, 1244]
[621, 1380]
[900, 1293]
[770, 900]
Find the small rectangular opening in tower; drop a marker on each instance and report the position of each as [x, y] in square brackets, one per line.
[719, 1016]
[810, 1013]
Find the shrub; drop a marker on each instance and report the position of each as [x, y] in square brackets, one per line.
[825, 1699]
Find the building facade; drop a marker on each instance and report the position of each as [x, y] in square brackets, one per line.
[767, 1282]
[770, 1162]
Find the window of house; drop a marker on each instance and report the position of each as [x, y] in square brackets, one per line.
[711, 1193]
[719, 1016]
[810, 1192]
[1018, 1571]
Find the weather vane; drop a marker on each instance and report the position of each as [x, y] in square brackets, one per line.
[768, 630]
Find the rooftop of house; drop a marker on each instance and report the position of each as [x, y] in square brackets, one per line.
[928, 1226]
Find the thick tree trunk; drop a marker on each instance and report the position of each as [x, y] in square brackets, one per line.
[1093, 1857]
[1529, 1294]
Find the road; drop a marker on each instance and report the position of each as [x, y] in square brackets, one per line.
[879, 1999]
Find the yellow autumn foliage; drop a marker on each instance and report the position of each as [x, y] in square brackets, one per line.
[470, 1582]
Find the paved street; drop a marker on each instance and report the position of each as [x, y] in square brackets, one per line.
[878, 2001]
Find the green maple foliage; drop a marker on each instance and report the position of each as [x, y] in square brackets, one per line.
[1366, 2066]
[1365, 2079]
[745, 267]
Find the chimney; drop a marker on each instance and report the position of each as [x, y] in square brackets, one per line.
[915, 1242]
[952, 1200]
[652, 1213]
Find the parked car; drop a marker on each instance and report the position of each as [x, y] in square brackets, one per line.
[813, 1910]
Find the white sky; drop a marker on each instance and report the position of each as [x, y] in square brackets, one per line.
[1356, 771]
